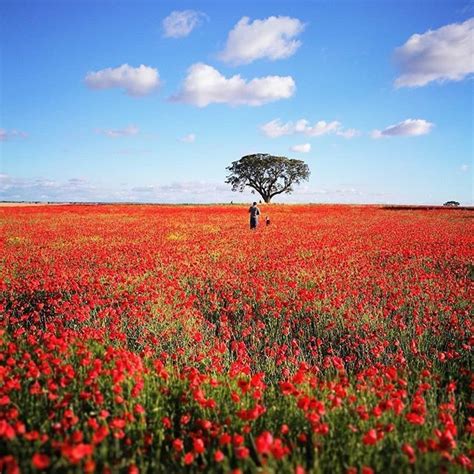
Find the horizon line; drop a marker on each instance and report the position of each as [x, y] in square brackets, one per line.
[132, 203]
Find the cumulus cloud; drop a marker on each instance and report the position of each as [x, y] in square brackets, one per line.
[205, 85]
[189, 138]
[303, 148]
[344, 193]
[445, 54]
[348, 133]
[69, 190]
[319, 128]
[81, 190]
[276, 128]
[272, 38]
[44, 189]
[180, 23]
[121, 132]
[187, 191]
[205, 191]
[135, 81]
[409, 127]
[6, 135]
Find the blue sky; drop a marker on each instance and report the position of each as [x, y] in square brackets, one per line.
[378, 115]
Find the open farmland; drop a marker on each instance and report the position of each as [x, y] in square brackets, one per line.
[174, 339]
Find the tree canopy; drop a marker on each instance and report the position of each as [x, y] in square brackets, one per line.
[267, 174]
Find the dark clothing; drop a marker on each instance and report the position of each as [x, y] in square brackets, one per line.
[254, 213]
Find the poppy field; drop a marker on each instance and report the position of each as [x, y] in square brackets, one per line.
[172, 339]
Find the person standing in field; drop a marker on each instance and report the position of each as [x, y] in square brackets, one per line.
[254, 212]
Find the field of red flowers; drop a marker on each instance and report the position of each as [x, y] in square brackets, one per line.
[173, 339]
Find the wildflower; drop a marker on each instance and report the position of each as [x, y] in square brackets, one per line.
[178, 445]
[415, 418]
[370, 437]
[198, 445]
[264, 442]
[242, 452]
[219, 456]
[40, 461]
[225, 439]
[188, 458]
[410, 452]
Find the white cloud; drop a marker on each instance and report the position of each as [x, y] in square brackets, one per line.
[122, 132]
[205, 85]
[136, 81]
[303, 148]
[22, 189]
[409, 127]
[143, 189]
[189, 138]
[9, 134]
[275, 128]
[308, 190]
[319, 128]
[180, 23]
[81, 190]
[445, 54]
[349, 133]
[188, 191]
[465, 168]
[272, 38]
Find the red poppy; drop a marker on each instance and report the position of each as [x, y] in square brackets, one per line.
[219, 456]
[41, 461]
[370, 437]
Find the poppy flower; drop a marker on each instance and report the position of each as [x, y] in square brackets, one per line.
[40, 461]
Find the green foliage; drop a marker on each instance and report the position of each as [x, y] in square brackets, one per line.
[267, 174]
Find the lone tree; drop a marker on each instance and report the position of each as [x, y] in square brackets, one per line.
[267, 174]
